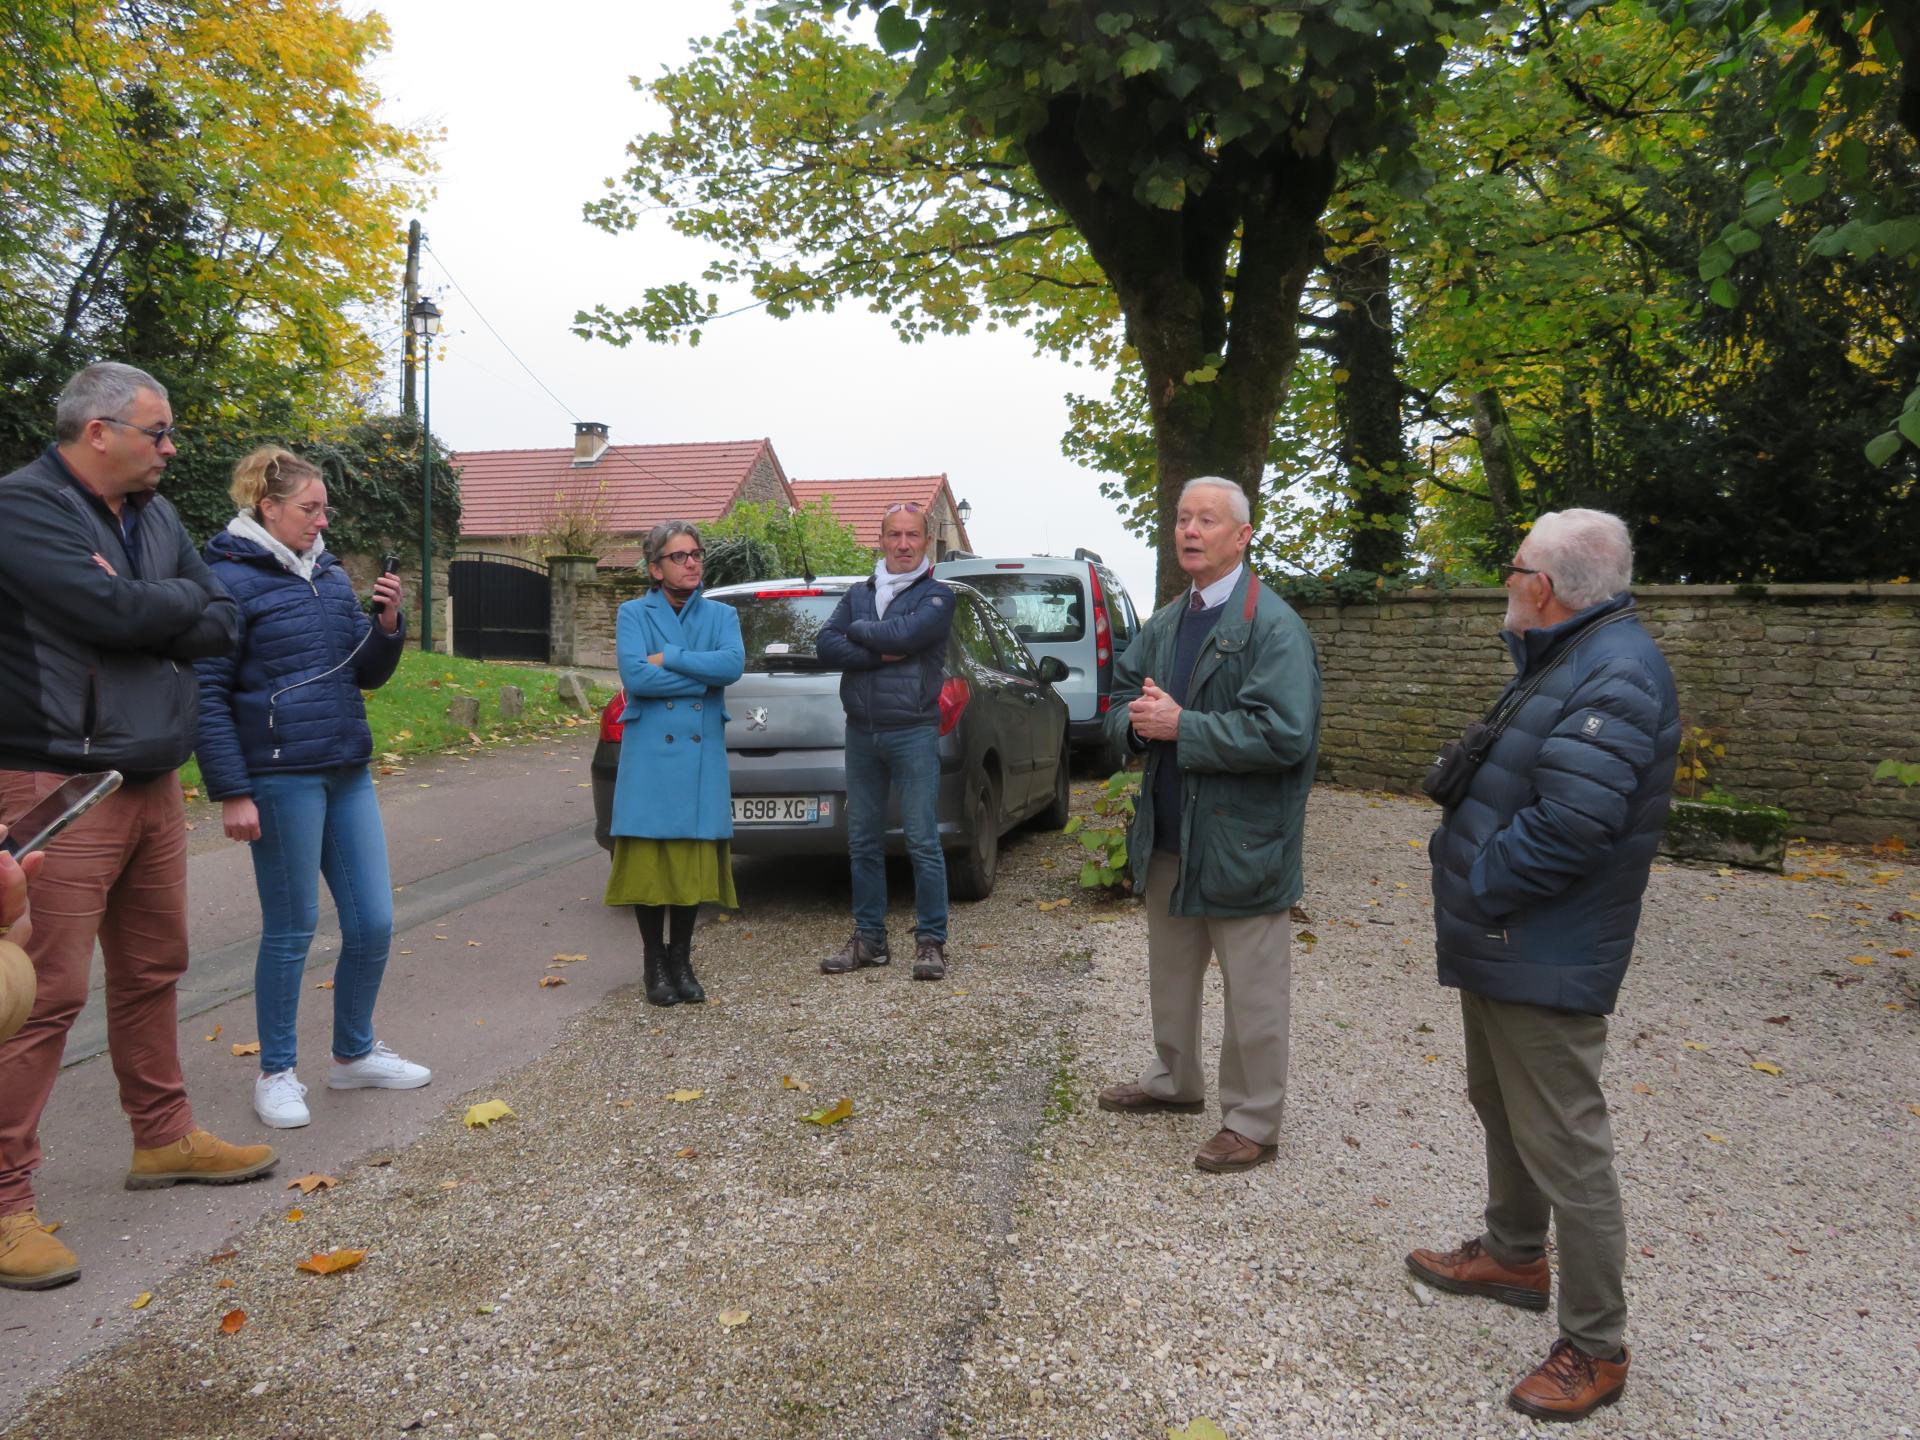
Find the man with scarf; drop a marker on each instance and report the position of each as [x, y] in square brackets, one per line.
[888, 635]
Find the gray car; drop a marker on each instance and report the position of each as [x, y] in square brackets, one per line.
[1003, 735]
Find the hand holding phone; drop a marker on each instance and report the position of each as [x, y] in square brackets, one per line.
[71, 799]
[385, 600]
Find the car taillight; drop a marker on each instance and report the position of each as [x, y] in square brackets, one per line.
[1102, 631]
[784, 594]
[610, 726]
[954, 696]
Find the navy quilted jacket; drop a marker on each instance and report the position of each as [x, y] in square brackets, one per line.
[890, 694]
[289, 697]
[1539, 872]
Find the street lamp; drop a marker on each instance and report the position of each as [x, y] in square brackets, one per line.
[964, 510]
[425, 320]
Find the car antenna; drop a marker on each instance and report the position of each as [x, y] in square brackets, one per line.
[800, 546]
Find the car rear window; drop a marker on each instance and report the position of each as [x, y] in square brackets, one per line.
[779, 627]
[1042, 609]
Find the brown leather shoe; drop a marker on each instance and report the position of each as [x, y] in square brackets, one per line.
[200, 1159]
[1133, 1100]
[1229, 1151]
[30, 1258]
[1571, 1384]
[929, 959]
[1470, 1270]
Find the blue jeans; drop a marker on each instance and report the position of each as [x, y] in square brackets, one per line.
[324, 822]
[909, 760]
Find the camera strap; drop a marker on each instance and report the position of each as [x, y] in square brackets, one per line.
[1505, 708]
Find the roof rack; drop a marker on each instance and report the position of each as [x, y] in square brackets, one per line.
[1082, 553]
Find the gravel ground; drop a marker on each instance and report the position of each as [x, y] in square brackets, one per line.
[980, 1252]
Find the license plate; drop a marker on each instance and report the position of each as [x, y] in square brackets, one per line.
[776, 810]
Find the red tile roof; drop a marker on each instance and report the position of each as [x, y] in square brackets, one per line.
[511, 492]
[861, 503]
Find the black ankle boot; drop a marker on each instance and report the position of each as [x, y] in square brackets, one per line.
[680, 972]
[660, 989]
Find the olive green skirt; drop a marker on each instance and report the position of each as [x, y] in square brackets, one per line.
[671, 872]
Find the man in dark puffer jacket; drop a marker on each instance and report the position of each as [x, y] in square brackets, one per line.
[1538, 875]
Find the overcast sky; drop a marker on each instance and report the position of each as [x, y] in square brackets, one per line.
[536, 108]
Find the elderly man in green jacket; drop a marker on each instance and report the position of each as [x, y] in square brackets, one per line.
[1222, 691]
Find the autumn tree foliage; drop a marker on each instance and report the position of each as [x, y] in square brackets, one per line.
[202, 188]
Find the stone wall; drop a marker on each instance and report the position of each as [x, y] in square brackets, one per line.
[1813, 686]
[596, 606]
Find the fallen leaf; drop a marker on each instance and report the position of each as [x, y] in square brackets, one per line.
[1766, 1067]
[1816, 915]
[221, 1257]
[1693, 1045]
[1429, 1059]
[1646, 1251]
[323, 984]
[624, 1104]
[1902, 954]
[1307, 937]
[486, 1112]
[1202, 1428]
[1052, 904]
[331, 1263]
[1861, 960]
[1914, 1108]
[230, 1323]
[547, 982]
[1423, 1028]
[682, 1097]
[405, 952]
[787, 1082]
[1641, 1088]
[686, 1153]
[565, 960]
[307, 1184]
[1778, 1019]
[732, 1319]
[449, 1184]
[1351, 1141]
[831, 1115]
[1716, 1139]
[225, 1282]
[252, 1047]
[295, 1216]
[216, 1033]
[142, 1300]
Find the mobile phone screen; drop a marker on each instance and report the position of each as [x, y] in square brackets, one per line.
[61, 808]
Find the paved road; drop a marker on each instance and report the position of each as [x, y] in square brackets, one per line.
[496, 872]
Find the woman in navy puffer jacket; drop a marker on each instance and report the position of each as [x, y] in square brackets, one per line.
[284, 746]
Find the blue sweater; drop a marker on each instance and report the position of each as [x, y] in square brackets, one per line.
[289, 698]
[1538, 873]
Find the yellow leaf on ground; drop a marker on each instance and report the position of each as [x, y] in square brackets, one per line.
[565, 960]
[142, 1300]
[1766, 1067]
[1693, 1045]
[52, 1227]
[733, 1318]
[225, 1282]
[686, 1152]
[216, 1033]
[231, 1322]
[681, 1097]
[486, 1112]
[1902, 954]
[1059, 904]
[1641, 1088]
[1816, 915]
[295, 1216]
[1860, 960]
[1914, 1108]
[323, 984]
[787, 1082]
[831, 1115]
[960, 992]
[1428, 1059]
[1200, 1428]
[547, 982]
[309, 1183]
[252, 1047]
[1717, 1139]
[331, 1263]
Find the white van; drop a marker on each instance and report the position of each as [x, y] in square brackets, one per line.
[1076, 610]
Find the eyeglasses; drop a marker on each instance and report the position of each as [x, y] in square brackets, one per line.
[324, 512]
[156, 433]
[685, 557]
[1508, 571]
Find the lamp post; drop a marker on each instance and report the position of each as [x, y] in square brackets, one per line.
[965, 511]
[425, 320]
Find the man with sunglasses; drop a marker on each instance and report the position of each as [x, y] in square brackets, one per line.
[888, 635]
[1538, 874]
[104, 605]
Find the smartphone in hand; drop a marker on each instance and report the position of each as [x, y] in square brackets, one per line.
[72, 799]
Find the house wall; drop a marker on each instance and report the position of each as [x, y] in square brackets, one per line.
[1813, 686]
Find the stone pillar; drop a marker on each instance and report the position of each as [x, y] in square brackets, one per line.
[567, 573]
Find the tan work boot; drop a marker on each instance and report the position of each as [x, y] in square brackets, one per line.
[198, 1158]
[30, 1258]
[1571, 1384]
[1470, 1270]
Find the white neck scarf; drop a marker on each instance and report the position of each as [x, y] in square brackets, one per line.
[248, 528]
[887, 585]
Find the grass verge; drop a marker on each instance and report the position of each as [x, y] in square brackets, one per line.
[409, 713]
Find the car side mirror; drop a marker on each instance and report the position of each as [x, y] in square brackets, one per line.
[1052, 669]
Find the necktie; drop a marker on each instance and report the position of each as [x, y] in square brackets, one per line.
[1196, 603]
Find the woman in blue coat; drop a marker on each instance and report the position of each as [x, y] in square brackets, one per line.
[672, 806]
[284, 747]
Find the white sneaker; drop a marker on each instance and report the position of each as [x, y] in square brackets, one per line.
[276, 1100]
[378, 1069]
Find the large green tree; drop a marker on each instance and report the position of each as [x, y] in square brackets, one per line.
[1177, 156]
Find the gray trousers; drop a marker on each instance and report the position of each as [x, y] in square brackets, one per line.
[1256, 962]
[1533, 1074]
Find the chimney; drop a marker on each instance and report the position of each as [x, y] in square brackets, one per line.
[589, 441]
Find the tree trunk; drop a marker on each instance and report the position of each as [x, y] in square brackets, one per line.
[1367, 400]
[1494, 435]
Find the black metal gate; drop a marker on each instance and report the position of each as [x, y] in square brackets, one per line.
[499, 607]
